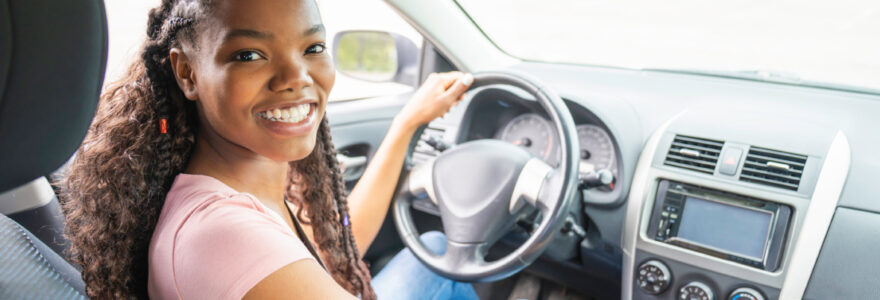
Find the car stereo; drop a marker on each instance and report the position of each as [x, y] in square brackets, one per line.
[725, 225]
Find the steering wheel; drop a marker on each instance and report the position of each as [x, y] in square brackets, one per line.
[481, 188]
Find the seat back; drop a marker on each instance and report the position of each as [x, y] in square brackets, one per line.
[53, 55]
[52, 59]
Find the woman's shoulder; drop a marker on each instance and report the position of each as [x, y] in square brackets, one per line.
[211, 237]
[200, 204]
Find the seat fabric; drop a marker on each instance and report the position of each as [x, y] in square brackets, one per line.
[30, 270]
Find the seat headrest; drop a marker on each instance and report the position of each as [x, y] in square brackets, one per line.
[53, 54]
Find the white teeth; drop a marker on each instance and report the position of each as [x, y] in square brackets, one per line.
[288, 115]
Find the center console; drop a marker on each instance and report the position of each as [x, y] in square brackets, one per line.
[715, 214]
[729, 226]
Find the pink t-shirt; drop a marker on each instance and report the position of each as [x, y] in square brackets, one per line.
[213, 242]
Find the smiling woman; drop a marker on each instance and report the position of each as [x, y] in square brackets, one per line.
[209, 168]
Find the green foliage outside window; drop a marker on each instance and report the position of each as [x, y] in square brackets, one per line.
[367, 54]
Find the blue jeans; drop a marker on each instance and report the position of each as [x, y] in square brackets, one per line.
[405, 277]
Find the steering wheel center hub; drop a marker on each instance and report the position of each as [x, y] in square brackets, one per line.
[485, 173]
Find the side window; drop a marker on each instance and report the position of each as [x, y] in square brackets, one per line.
[343, 15]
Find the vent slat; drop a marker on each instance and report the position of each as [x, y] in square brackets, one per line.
[758, 165]
[765, 166]
[676, 155]
[761, 158]
[781, 155]
[709, 151]
[693, 163]
[691, 167]
[695, 147]
[779, 176]
[754, 179]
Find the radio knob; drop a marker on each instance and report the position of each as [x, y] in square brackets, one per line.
[745, 293]
[696, 290]
[653, 277]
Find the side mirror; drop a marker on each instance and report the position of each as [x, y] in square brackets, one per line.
[376, 56]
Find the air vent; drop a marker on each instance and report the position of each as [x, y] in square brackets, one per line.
[694, 153]
[773, 168]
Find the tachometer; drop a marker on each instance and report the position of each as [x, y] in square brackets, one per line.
[597, 149]
[535, 134]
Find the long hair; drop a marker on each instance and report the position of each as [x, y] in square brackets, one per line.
[117, 183]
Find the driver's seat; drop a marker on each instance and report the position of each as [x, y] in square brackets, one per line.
[52, 60]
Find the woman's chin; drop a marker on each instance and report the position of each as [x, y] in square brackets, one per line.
[293, 152]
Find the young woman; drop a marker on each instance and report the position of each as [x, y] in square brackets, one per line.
[209, 170]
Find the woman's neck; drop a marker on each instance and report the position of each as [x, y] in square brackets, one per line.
[239, 168]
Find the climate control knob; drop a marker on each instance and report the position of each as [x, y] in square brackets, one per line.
[745, 293]
[653, 277]
[695, 290]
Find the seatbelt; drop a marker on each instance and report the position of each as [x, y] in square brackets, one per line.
[303, 237]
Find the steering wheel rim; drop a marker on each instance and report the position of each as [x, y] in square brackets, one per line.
[551, 190]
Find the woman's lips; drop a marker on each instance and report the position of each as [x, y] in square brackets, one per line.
[294, 121]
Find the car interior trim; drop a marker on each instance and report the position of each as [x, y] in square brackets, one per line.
[458, 39]
[818, 219]
[640, 186]
[31, 195]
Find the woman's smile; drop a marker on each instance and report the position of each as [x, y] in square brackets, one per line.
[289, 119]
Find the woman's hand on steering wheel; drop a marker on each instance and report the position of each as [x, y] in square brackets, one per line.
[434, 98]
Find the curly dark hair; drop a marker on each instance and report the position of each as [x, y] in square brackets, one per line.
[117, 183]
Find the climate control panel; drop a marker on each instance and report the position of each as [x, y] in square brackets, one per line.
[655, 278]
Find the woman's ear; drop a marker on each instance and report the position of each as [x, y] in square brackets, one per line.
[183, 73]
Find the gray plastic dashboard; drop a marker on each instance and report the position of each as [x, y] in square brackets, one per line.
[788, 118]
[635, 104]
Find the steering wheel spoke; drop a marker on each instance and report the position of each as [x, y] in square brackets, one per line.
[529, 184]
[421, 180]
[464, 255]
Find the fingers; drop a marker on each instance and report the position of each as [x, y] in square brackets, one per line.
[456, 90]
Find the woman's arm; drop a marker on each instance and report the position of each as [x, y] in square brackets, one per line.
[303, 279]
[369, 200]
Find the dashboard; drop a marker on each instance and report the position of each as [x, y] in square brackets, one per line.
[643, 127]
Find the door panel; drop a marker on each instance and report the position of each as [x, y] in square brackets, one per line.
[358, 127]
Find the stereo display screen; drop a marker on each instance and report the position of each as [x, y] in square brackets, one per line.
[733, 229]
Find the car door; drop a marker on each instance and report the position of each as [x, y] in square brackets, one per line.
[361, 108]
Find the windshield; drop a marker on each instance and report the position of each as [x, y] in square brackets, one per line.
[833, 42]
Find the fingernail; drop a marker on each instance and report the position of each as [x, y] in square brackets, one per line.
[467, 79]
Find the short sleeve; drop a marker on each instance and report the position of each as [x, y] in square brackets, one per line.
[228, 246]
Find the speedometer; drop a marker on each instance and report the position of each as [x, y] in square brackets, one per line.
[535, 134]
[597, 149]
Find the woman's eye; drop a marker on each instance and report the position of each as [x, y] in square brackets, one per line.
[247, 56]
[316, 49]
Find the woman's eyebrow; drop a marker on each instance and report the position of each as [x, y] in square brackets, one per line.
[248, 33]
[314, 29]
[319, 28]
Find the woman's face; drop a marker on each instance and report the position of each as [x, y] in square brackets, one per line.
[261, 75]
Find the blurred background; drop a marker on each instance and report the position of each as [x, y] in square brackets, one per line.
[127, 21]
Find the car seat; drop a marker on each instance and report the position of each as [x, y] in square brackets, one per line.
[52, 61]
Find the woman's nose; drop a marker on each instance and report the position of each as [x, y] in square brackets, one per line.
[291, 75]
